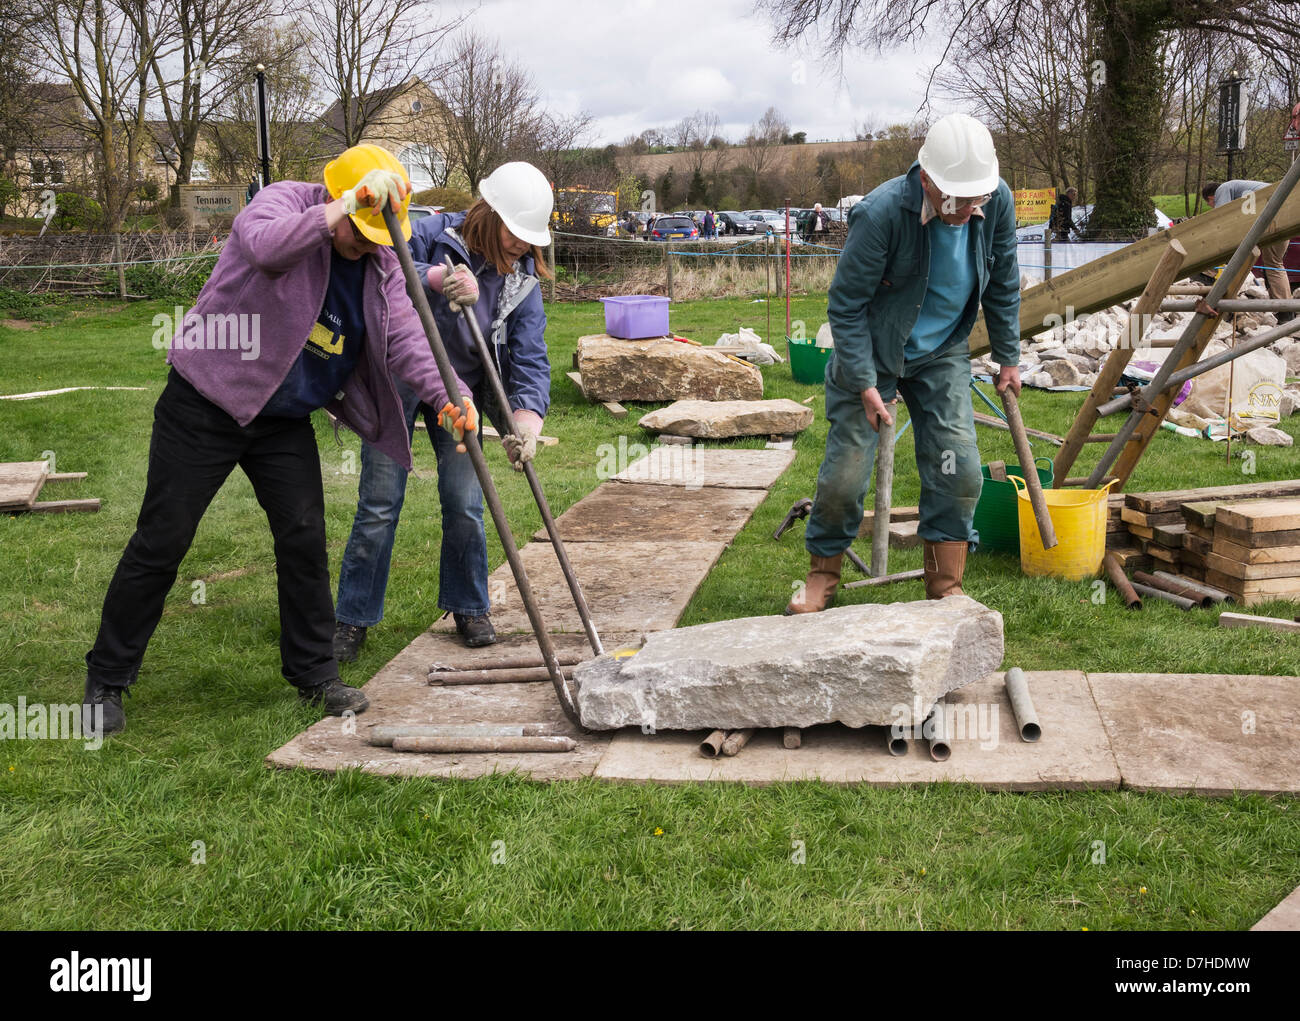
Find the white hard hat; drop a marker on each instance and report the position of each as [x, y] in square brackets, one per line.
[520, 195]
[958, 155]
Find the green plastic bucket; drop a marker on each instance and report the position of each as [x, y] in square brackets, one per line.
[808, 362]
[997, 518]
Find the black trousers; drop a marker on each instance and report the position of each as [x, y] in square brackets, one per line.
[194, 448]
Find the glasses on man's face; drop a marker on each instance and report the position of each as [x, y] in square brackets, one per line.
[962, 202]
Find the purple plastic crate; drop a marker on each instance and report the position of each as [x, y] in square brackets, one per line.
[634, 316]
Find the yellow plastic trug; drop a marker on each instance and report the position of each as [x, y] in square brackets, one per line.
[1079, 518]
[346, 171]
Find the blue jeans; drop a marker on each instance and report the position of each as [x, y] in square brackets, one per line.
[463, 565]
[936, 391]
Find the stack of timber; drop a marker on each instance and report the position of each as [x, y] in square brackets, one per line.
[1255, 552]
[22, 481]
[1174, 531]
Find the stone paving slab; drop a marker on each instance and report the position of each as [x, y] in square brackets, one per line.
[641, 513]
[400, 694]
[1073, 753]
[696, 467]
[1283, 918]
[629, 586]
[1187, 732]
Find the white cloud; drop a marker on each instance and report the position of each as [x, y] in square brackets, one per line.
[638, 64]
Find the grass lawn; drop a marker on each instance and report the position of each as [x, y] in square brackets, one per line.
[108, 839]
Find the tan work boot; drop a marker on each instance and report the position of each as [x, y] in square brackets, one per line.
[945, 562]
[819, 589]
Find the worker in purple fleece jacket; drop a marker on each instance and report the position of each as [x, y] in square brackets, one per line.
[313, 268]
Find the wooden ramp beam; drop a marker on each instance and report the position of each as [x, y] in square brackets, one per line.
[1210, 239]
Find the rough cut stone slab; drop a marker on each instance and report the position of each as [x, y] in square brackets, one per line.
[630, 513]
[400, 694]
[715, 420]
[1073, 754]
[871, 663]
[1283, 918]
[629, 586]
[694, 468]
[1185, 732]
[662, 370]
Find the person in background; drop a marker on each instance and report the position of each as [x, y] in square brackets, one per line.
[1272, 257]
[497, 248]
[314, 267]
[1063, 214]
[925, 252]
[710, 225]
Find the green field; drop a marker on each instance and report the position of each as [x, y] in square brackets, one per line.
[107, 839]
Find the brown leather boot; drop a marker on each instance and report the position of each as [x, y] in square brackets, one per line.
[819, 589]
[945, 562]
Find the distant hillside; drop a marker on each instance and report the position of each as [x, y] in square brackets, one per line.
[654, 167]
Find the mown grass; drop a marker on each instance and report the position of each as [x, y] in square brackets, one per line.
[108, 839]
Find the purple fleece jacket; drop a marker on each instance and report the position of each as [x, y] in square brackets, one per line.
[276, 265]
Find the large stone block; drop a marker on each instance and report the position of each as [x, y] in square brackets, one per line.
[662, 370]
[872, 663]
[716, 420]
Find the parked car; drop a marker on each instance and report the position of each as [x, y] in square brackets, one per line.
[775, 222]
[669, 227]
[1080, 215]
[420, 212]
[731, 222]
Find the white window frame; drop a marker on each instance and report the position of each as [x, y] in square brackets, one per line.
[414, 158]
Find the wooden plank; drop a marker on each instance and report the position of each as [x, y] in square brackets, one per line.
[1252, 572]
[1257, 555]
[66, 476]
[1152, 519]
[1142, 531]
[1237, 620]
[614, 408]
[20, 482]
[1131, 558]
[577, 381]
[896, 514]
[1210, 239]
[65, 506]
[1261, 516]
[1175, 498]
[1163, 553]
[1197, 544]
[1200, 514]
[1170, 535]
[1257, 540]
[1275, 588]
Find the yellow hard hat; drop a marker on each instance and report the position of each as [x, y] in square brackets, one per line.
[347, 170]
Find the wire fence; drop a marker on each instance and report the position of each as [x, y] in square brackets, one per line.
[98, 264]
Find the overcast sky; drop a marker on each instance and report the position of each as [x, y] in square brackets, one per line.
[636, 64]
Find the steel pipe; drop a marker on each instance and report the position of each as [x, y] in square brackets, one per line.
[886, 579]
[1168, 597]
[530, 473]
[520, 675]
[1022, 705]
[512, 663]
[1176, 588]
[453, 745]
[1215, 595]
[415, 291]
[791, 737]
[736, 740]
[711, 746]
[1115, 571]
[1177, 379]
[940, 739]
[895, 743]
[383, 735]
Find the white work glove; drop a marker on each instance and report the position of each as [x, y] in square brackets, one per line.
[522, 448]
[373, 190]
[460, 289]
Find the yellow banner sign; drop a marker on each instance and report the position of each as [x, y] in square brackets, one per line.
[1034, 205]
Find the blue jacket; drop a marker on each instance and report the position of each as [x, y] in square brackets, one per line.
[884, 272]
[520, 328]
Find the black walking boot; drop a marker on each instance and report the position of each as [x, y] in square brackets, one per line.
[335, 697]
[109, 697]
[348, 639]
[476, 631]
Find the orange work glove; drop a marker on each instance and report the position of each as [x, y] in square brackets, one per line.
[458, 422]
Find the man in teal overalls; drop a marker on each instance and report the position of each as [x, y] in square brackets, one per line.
[925, 251]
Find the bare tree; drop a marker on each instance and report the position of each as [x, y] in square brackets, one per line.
[491, 108]
[105, 49]
[297, 136]
[760, 146]
[362, 49]
[1124, 63]
[207, 69]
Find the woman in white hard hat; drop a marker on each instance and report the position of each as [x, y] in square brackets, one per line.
[497, 248]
